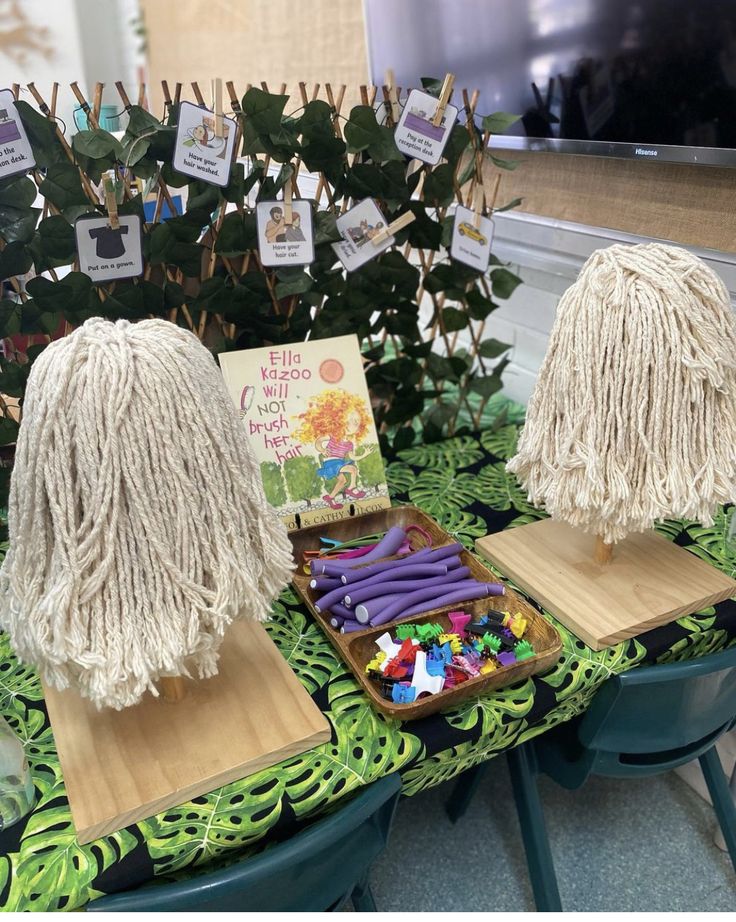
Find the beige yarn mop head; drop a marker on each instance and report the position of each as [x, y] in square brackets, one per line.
[633, 416]
[138, 525]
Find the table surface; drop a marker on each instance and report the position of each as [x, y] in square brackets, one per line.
[463, 483]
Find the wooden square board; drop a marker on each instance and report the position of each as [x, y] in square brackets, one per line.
[123, 766]
[649, 582]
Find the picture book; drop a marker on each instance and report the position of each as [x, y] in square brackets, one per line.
[306, 410]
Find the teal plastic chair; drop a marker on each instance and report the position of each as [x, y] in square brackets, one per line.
[318, 869]
[643, 722]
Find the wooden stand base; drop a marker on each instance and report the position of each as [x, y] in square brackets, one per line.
[648, 581]
[123, 766]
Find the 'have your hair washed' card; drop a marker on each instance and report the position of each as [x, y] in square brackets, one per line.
[306, 410]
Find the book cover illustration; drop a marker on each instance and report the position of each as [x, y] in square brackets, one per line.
[306, 410]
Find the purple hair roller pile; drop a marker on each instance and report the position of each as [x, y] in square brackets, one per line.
[358, 574]
[411, 571]
[345, 613]
[350, 627]
[337, 622]
[362, 593]
[386, 547]
[421, 597]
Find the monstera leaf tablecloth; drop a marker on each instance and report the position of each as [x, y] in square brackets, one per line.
[464, 484]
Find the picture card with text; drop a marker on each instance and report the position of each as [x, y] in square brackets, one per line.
[415, 134]
[470, 244]
[198, 151]
[106, 253]
[358, 228]
[16, 155]
[282, 244]
[306, 411]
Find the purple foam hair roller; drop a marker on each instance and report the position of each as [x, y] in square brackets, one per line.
[366, 610]
[324, 583]
[453, 598]
[336, 621]
[349, 627]
[345, 613]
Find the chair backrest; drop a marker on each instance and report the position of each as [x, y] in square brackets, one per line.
[309, 872]
[656, 709]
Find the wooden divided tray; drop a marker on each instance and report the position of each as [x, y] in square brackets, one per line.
[358, 647]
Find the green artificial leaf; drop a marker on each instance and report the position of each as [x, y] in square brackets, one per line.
[479, 306]
[435, 491]
[292, 281]
[499, 122]
[62, 186]
[322, 153]
[8, 430]
[362, 129]
[237, 234]
[486, 385]
[10, 317]
[492, 348]
[304, 647]
[17, 216]
[140, 121]
[96, 143]
[454, 454]
[66, 293]
[316, 120]
[457, 144]
[263, 110]
[514, 203]
[15, 259]
[454, 319]
[42, 135]
[439, 186]
[384, 148]
[504, 164]
[504, 283]
[12, 378]
[432, 85]
[57, 239]
[325, 229]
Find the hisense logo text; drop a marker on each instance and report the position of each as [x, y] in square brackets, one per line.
[644, 152]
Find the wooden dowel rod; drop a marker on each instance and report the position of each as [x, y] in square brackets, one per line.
[603, 552]
[172, 688]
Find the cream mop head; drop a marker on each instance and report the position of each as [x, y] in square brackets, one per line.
[633, 417]
[138, 525]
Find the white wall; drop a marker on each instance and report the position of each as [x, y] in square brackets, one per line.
[70, 40]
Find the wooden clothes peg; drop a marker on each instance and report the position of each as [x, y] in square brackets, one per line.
[394, 227]
[111, 202]
[479, 198]
[445, 94]
[288, 211]
[217, 106]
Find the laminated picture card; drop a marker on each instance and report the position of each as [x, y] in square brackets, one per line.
[306, 411]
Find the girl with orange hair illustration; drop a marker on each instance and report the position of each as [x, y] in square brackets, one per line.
[335, 422]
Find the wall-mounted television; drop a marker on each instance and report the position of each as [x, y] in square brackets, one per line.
[646, 79]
